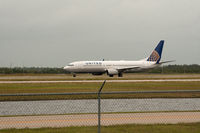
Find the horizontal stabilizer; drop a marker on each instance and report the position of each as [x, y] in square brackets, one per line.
[167, 61]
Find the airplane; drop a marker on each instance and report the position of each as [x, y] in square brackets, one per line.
[117, 67]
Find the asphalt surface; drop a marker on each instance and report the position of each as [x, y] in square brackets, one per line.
[97, 81]
[91, 119]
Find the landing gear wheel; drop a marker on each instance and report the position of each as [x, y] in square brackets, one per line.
[120, 75]
[74, 75]
[110, 75]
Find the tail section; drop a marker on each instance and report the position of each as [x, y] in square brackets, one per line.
[156, 54]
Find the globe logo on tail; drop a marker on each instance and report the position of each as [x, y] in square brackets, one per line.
[154, 56]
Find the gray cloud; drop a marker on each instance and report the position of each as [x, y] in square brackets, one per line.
[54, 33]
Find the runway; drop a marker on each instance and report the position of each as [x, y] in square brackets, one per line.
[98, 81]
[91, 119]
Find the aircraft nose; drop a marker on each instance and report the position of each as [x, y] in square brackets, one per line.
[66, 68]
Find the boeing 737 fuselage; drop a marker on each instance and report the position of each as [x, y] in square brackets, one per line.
[117, 67]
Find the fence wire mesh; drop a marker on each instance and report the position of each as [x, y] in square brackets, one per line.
[74, 112]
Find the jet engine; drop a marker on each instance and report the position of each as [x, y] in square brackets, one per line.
[112, 72]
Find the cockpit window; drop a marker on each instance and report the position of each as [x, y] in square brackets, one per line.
[71, 65]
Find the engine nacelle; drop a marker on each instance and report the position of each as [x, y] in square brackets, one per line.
[112, 71]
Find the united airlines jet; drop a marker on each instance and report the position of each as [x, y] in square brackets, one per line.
[117, 67]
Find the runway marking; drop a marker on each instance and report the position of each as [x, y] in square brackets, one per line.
[97, 81]
[91, 119]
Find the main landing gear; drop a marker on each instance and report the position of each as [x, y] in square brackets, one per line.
[120, 75]
[111, 75]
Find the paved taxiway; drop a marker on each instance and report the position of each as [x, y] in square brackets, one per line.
[97, 81]
[91, 119]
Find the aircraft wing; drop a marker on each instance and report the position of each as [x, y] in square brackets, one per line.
[127, 68]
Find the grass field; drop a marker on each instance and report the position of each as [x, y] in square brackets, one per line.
[157, 128]
[93, 87]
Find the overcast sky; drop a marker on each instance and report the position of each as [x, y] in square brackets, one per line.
[53, 33]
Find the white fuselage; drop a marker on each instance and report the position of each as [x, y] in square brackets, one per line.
[104, 66]
[117, 67]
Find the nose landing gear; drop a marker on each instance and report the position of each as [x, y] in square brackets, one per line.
[74, 75]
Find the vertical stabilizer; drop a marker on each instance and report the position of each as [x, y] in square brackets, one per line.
[156, 54]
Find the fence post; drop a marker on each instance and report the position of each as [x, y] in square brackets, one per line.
[99, 107]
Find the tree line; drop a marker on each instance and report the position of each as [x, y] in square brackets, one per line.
[177, 69]
[47, 70]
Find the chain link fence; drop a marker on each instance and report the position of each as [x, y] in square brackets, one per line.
[98, 110]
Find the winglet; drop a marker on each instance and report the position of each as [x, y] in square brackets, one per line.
[156, 54]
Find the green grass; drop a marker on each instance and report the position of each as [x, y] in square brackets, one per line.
[93, 87]
[153, 128]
